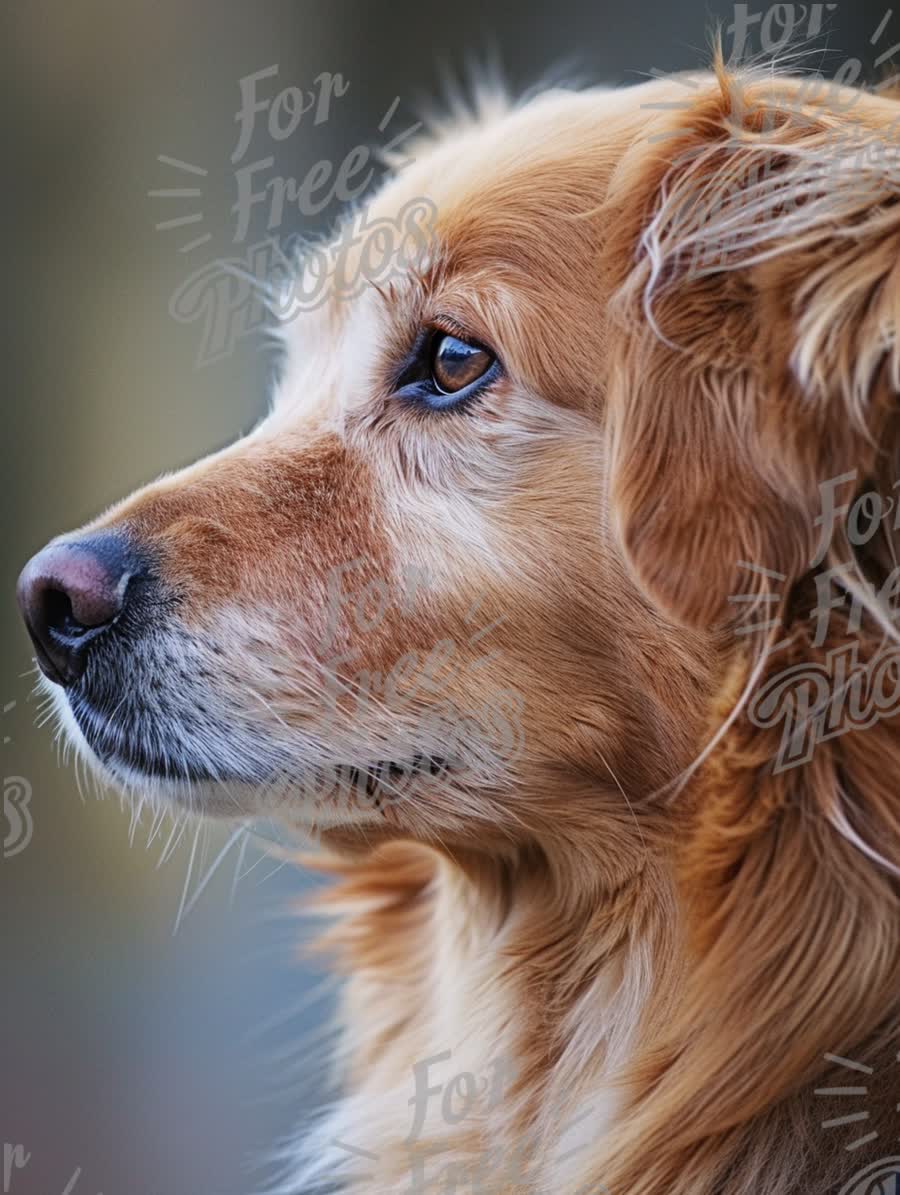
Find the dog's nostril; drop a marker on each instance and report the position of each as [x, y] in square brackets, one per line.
[69, 594]
[58, 613]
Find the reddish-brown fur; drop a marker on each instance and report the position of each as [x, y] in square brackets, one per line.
[667, 948]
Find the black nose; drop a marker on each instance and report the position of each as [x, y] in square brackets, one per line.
[69, 594]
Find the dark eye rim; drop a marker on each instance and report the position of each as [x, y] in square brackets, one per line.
[414, 383]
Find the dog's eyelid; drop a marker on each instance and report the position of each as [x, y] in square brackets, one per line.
[449, 325]
[440, 322]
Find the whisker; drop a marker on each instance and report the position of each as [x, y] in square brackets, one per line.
[201, 887]
[187, 880]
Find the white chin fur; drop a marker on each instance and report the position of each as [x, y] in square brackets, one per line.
[220, 799]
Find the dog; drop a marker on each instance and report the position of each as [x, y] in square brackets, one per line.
[503, 603]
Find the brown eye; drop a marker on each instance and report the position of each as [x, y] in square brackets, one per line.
[456, 364]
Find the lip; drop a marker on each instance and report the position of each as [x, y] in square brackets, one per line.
[137, 760]
[118, 752]
[383, 779]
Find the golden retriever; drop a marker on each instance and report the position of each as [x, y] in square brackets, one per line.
[486, 603]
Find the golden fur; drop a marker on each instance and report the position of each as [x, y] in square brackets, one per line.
[694, 288]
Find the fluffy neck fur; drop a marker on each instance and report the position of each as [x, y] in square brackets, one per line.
[506, 978]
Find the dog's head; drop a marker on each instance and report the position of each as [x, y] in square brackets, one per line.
[478, 557]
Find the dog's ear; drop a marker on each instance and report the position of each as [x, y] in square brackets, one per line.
[754, 265]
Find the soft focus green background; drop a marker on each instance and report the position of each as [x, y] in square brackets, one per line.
[161, 1064]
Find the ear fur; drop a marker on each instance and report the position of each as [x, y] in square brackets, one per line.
[758, 296]
[756, 270]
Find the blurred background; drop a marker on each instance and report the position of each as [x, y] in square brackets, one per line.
[147, 1061]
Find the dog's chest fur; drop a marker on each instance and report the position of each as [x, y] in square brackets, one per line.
[481, 1035]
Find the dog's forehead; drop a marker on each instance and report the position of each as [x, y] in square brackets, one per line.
[494, 163]
[505, 202]
[506, 155]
